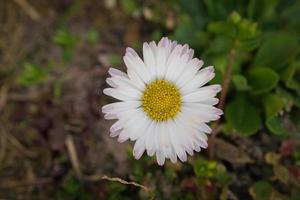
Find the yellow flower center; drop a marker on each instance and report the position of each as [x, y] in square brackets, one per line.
[161, 100]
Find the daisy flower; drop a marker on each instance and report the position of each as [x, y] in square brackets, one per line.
[164, 106]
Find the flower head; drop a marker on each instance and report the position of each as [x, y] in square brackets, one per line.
[164, 105]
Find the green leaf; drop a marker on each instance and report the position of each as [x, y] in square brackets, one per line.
[189, 34]
[292, 14]
[281, 173]
[220, 63]
[93, 36]
[293, 85]
[156, 35]
[220, 45]
[235, 17]
[262, 190]
[286, 97]
[276, 126]
[204, 168]
[222, 177]
[223, 28]
[297, 101]
[170, 174]
[65, 38]
[129, 6]
[277, 50]
[242, 116]
[289, 76]
[289, 72]
[67, 54]
[227, 128]
[262, 79]
[249, 44]
[247, 29]
[240, 83]
[32, 75]
[115, 59]
[296, 196]
[273, 105]
[295, 117]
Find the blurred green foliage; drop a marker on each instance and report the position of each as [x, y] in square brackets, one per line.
[206, 170]
[32, 75]
[73, 189]
[92, 36]
[262, 190]
[115, 60]
[129, 6]
[264, 83]
[67, 41]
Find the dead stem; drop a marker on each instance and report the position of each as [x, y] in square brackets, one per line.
[73, 155]
[94, 178]
[225, 87]
[3, 97]
[29, 10]
[22, 149]
[3, 144]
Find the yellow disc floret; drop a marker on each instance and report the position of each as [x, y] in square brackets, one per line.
[161, 100]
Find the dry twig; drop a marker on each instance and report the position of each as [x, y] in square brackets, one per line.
[15, 142]
[3, 144]
[3, 97]
[225, 87]
[30, 11]
[73, 155]
[116, 179]
[76, 165]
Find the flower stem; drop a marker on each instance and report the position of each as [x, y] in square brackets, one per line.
[225, 87]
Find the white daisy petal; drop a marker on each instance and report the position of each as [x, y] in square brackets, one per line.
[123, 136]
[185, 49]
[122, 82]
[140, 127]
[115, 133]
[150, 60]
[150, 139]
[136, 79]
[111, 83]
[133, 61]
[115, 72]
[120, 106]
[110, 116]
[139, 148]
[118, 125]
[122, 95]
[202, 93]
[180, 67]
[160, 157]
[197, 107]
[200, 115]
[173, 61]
[162, 56]
[201, 78]
[197, 148]
[173, 156]
[165, 104]
[204, 128]
[193, 65]
[191, 53]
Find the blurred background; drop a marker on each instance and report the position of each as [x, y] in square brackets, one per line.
[54, 57]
